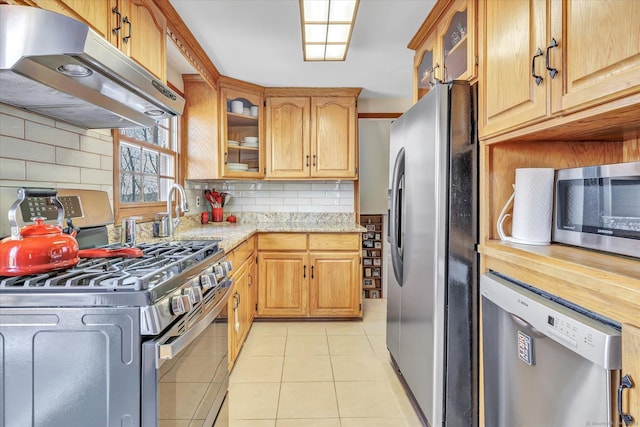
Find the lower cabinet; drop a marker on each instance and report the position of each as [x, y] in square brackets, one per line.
[309, 275]
[631, 367]
[284, 283]
[332, 291]
[252, 297]
[241, 305]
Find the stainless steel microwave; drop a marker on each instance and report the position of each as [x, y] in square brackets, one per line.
[598, 207]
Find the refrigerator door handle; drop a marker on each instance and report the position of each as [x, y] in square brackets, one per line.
[397, 216]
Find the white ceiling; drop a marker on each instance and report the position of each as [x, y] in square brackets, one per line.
[260, 41]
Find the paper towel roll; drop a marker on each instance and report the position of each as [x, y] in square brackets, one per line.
[532, 207]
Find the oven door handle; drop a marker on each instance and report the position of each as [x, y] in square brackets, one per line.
[170, 346]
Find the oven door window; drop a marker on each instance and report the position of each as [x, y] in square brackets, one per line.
[188, 388]
[190, 384]
[609, 206]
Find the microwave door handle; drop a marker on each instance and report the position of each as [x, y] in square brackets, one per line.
[172, 346]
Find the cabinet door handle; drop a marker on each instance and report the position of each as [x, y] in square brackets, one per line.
[314, 160]
[126, 21]
[236, 298]
[312, 271]
[553, 72]
[304, 272]
[435, 79]
[307, 160]
[533, 67]
[250, 280]
[116, 30]
[226, 157]
[625, 382]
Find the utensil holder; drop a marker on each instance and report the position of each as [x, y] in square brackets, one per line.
[217, 214]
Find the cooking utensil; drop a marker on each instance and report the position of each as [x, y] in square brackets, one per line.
[39, 247]
[110, 253]
[161, 225]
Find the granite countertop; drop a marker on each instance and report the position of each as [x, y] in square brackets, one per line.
[231, 235]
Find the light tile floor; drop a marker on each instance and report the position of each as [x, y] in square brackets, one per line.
[324, 374]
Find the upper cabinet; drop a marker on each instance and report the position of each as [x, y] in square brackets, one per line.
[539, 62]
[241, 141]
[445, 46]
[200, 129]
[311, 136]
[142, 34]
[288, 136]
[136, 27]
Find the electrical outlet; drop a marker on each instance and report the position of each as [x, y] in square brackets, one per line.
[197, 201]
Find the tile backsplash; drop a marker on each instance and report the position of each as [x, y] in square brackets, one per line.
[278, 196]
[36, 151]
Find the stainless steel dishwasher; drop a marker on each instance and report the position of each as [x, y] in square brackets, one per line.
[545, 364]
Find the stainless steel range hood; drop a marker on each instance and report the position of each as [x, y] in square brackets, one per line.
[103, 88]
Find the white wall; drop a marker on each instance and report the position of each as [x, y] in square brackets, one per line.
[373, 138]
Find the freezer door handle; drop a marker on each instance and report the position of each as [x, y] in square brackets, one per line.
[396, 216]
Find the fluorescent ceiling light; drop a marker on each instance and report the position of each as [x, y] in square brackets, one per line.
[326, 28]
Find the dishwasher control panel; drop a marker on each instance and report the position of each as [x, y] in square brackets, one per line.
[533, 313]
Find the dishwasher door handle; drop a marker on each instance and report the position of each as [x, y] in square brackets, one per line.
[524, 324]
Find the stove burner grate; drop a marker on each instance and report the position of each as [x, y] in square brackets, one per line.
[160, 262]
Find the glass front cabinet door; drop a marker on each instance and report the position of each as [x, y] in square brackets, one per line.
[427, 68]
[241, 137]
[456, 42]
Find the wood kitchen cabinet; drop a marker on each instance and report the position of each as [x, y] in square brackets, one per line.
[309, 275]
[241, 305]
[311, 133]
[136, 27]
[631, 367]
[540, 63]
[238, 309]
[238, 157]
[445, 46]
[200, 131]
[252, 265]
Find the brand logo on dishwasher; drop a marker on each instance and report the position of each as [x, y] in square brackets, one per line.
[523, 302]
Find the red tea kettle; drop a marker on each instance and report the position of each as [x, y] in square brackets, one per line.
[41, 248]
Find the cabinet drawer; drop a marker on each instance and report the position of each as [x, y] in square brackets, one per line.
[334, 241]
[244, 251]
[282, 241]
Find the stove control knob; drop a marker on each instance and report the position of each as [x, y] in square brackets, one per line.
[223, 268]
[180, 304]
[194, 294]
[228, 266]
[208, 281]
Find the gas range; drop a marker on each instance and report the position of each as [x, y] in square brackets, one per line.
[169, 280]
[108, 331]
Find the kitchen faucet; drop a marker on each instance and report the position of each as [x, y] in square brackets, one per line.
[183, 206]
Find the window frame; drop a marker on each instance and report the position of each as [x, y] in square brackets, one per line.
[145, 210]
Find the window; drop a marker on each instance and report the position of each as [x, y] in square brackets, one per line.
[146, 166]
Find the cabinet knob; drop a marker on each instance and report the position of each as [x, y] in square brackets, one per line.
[533, 67]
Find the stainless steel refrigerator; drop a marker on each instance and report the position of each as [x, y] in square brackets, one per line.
[433, 233]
